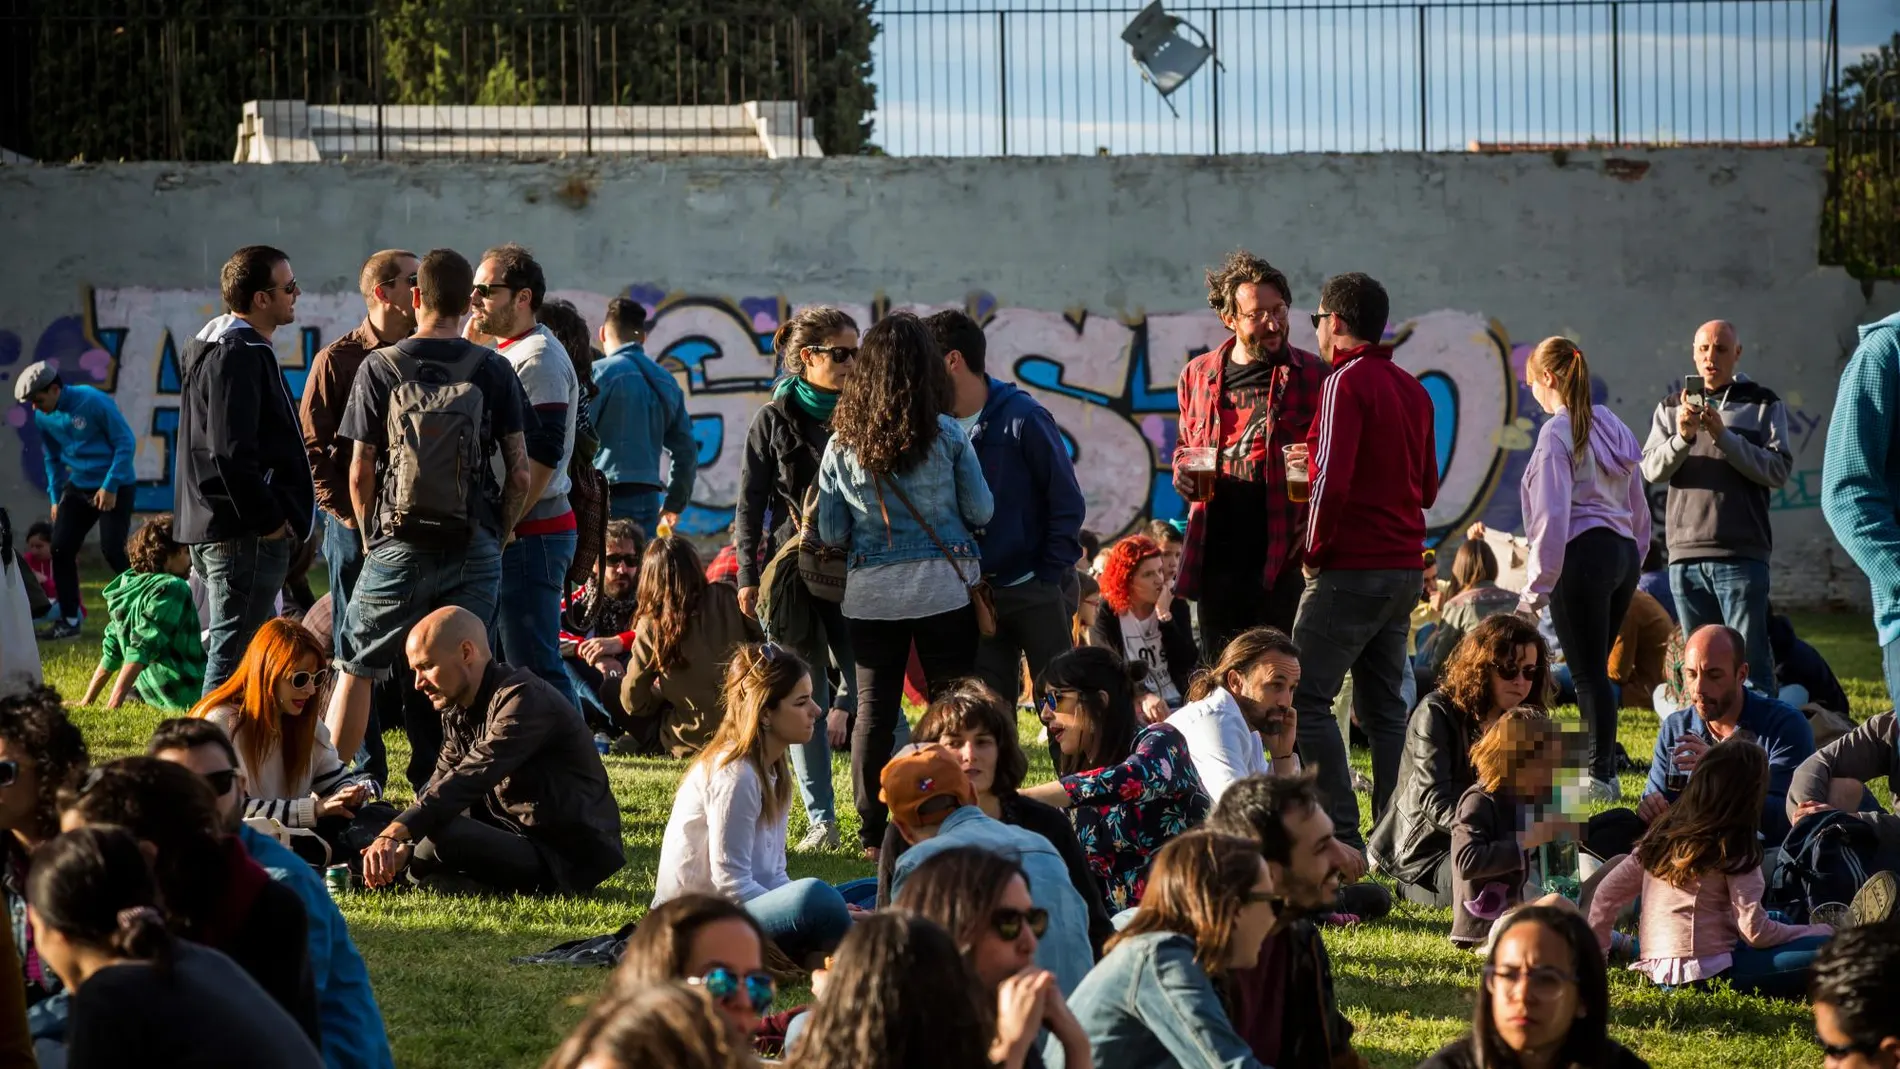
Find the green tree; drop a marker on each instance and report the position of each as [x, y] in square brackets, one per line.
[1859, 123]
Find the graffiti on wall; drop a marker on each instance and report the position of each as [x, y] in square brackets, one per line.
[1109, 380]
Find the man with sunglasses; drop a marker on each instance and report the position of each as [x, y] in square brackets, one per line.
[1030, 545]
[245, 503]
[348, 1018]
[1855, 985]
[597, 656]
[934, 808]
[638, 411]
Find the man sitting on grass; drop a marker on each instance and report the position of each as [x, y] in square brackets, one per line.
[152, 642]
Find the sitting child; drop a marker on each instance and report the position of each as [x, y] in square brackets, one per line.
[1509, 810]
[152, 640]
[39, 562]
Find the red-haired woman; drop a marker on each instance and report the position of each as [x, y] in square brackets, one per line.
[1140, 623]
[269, 709]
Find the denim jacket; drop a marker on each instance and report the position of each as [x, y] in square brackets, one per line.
[1149, 1004]
[638, 411]
[1064, 947]
[947, 488]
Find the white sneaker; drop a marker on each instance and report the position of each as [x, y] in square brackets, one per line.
[1602, 790]
[822, 836]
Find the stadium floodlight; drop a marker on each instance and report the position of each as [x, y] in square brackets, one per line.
[1166, 59]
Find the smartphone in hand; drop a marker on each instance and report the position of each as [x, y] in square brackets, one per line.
[1693, 392]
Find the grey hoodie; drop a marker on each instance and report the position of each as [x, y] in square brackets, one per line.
[1719, 485]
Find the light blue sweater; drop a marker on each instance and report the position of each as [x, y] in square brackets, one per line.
[1860, 478]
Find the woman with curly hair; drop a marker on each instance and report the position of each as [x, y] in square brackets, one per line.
[42, 754]
[684, 631]
[1142, 626]
[1502, 664]
[152, 642]
[901, 487]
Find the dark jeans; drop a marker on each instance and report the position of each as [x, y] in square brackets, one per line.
[242, 577]
[1423, 893]
[527, 627]
[71, 524]
[1232, 604]
[1732, 592]
[641, 504]
[1030, 622]
[1354, 621]
[946, 645]
[488, 855]
[1586, 607]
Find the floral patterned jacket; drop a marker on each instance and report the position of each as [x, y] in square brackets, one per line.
[1125, 812]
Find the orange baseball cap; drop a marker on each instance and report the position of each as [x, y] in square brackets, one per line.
[919, 774]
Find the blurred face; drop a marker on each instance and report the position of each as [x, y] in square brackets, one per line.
[1510, 693]
[54, 949]
[180, 562]
[1170, 559]
[211, 763]
[38, 546]
[446, 678]
[1258, 319]
[997, 959]
[623, 569]
[1310, 882]
[1070, 727]
[790, 721]
[976, 752]
[1265, 693]
[1714, 676]
[277, 305]
[296, 687]
[827, 366]
[1145, 588]
[19, 799]
[1716, 354]
[46, 401]
[502, 311]
[1255, 922]
[1532, 986]
[1829, 1027]
[1089, 607]
[729, 944]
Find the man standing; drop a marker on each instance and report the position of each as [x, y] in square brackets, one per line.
[1860, 477]
[1722, 455]
[638, 411]
[1247, 401]
[519, 800]
[1374, 473]
[431, 537]
[509, 287]
[245, 500]
[89, 449]
[1029, 547]
[1239, 719]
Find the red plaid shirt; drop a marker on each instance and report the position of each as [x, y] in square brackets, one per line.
[1296, 393]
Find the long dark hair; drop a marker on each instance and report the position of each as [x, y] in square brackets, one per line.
[171, 807]
[658, 949]
[959, 888]
[1197, 888]
[92, 886]
[1241, 654]
[970, 706]
[887, 414]
[1474, 564]
[1714, 825]
[900, 996]
[570, 329]
[35, 725]
[1093, 672]
[1588, 1043]
[671, 581]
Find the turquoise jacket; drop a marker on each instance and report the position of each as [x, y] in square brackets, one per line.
[87, 442]
[1860, 477]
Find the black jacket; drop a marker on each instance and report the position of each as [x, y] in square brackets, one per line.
[1414, 836]
[242, 469]
[1484, 850]
[1457, 1055]
[1178, 647]
[522, 760]
[782, 450]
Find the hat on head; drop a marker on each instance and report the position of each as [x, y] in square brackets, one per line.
[36, 377]
[919, 774]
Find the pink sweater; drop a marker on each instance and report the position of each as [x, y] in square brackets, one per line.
[1690, 934]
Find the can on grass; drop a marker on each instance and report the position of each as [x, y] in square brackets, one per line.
[337, 879]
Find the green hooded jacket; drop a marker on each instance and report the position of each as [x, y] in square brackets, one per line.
[155, 623]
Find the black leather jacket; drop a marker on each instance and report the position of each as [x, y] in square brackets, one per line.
[1414, 836]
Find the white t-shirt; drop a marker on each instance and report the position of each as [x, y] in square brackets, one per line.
[548, 378]
[719, 840]
[1224, 748]
[1141, 643]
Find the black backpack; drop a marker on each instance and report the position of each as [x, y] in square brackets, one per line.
[1826, 858]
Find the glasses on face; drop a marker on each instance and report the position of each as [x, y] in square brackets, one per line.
[410, 279]
[1510, 672]
[290, 287]
[1008, 923]
[1051, 701]
[1845, 1050]
[771, 651]
[485, 290]
[1262, 315]
[221, 781]
[1320, 317]
[622, 560]
[303, 680]
[1276, 901]
[1543, 981]
[837, 354]
[723, 983]
[9, 773]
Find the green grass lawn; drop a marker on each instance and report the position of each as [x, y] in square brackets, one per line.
[451, 999]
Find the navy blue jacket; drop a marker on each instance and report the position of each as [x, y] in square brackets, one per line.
[1039, 507]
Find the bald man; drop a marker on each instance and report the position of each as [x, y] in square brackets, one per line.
[1722, 452]
[519, 800]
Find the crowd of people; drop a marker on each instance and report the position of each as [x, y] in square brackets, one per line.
[495, 485]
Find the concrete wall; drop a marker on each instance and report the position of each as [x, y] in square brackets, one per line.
[1088, 272]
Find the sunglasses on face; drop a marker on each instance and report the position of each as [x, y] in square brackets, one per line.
[623, 560]
[1510, 672]
[290, 287]
[302, 680]
[222, 781]
[1320, 317]
[9, 773]
[1051, 700]
[1008, 923]
[1845, 1050]
[838, 354]
[485, 290]
[1278, 903]
[723, 983]
[411, 279]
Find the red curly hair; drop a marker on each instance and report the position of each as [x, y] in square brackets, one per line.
[1124, 560]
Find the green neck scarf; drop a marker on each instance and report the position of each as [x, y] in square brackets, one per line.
[817, 403]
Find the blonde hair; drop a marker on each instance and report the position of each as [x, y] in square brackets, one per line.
[1519, 737]
[759, 676]
[1561, 358]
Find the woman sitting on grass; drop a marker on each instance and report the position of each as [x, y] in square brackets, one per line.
[671, 1024]
[152, 641]
[684, 629]
[726, 835]
[1698, 872]
[1545, 1003]
[1156, 1001]
[706, 941]
[290, 768]
[900, 996]
[1500, 817]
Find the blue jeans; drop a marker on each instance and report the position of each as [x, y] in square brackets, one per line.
[528, 628]
[1890, 660]
[400, 584]
[1777, 972]
[627, 501]
[804, 917]
[1732, 592]
[343, 554]
[242, 577]
[811, 761]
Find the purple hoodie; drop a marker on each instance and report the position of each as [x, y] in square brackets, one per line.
[1562, 500]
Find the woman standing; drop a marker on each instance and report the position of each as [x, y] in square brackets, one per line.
[684, 630]
[1139, 789]
[1586, 516]
[901, 487]
[1142, 626]
[782, 451]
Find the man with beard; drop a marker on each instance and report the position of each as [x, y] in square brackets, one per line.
[347, 1015]
[596, 655]
[1274, 1002]
[1246, 401]
[1239, 718]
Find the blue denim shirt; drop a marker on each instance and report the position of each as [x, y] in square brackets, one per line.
[1147, 1004]
[638, 411]
[1778, 728]
[1064, 947]
[947, 488]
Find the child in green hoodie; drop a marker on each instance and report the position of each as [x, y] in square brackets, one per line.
[152, 641]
